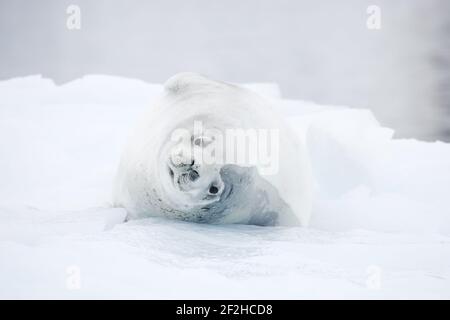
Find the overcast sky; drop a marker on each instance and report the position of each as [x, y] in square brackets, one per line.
[316, 50]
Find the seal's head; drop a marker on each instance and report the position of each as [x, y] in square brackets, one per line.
[211, 191]
[197, 183]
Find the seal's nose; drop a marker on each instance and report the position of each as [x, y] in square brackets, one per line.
[193, 175]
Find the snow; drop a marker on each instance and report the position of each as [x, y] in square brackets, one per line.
[380, 226]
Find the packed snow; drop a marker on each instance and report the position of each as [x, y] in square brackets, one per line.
[380, 226]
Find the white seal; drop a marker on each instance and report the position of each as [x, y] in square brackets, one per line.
[213, 152]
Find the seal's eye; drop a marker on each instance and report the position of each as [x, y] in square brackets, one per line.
[198, 141]
[203, 141]
[213, 190]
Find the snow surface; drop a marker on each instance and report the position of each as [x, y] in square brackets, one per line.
[380, 226]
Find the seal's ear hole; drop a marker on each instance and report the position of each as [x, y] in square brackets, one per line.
[171, 172]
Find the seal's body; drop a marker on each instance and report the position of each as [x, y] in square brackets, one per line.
[178, 164]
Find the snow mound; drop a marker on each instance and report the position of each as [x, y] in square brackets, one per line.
[380, 226]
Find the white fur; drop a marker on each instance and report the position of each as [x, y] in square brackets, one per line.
[142, 186]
